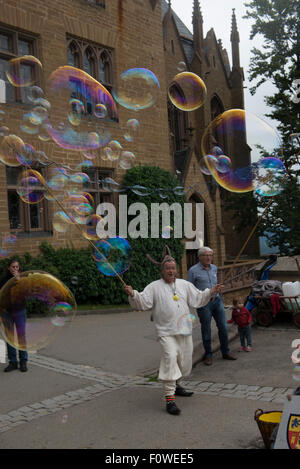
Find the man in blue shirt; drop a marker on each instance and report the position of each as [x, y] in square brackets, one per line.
[204, 275]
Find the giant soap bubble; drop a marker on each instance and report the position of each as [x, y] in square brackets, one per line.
[50, 303]
[80, 95]
[253, 150]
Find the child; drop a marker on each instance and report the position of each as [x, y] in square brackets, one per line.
[242, 317]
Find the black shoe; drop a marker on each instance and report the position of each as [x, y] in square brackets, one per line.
[23, 365]
[172, 408]
[180, 391]
[12, 366]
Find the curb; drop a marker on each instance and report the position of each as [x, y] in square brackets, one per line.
[198, 353]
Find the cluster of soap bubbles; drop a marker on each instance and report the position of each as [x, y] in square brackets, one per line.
[253, 162]
[252, 140]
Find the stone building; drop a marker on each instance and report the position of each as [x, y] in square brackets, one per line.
[105, 38]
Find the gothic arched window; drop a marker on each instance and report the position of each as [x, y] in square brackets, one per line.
[94, 60]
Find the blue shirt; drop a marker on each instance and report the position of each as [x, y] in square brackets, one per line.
[203, 278]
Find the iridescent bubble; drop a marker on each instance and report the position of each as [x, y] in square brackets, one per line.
[36, 292]
[8, 244]
[89, 198]
[90, 227]
[85, 165]
[268, 176]
[187, 91]
[69, 81]
[100, 111]
[27, 126]
[114, 256]
[132, 126]
[206, 162]
[27, 157]
[167, 232]
[77, 110]
[61, 222]
[43, 132]
[185, 323]
[223, 164]
[4, 131]
[19, 64]
[113, 150]
[38, 115]
[58, 182]
[181, 66]
[2, 114]
[126, 160]
[138, 89]
[41, 157]
[84, 209]
[79, 178]
[31, 187]
[11, 147]
[250, 140]
[33, 93]
[61, 313]
[90, 155]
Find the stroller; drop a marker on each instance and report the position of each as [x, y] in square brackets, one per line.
[264, 274]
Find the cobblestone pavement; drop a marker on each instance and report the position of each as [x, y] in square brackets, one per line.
[107, 382]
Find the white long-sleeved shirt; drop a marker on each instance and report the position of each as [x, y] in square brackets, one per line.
[166, 312]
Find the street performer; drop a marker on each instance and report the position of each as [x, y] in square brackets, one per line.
[169, 300]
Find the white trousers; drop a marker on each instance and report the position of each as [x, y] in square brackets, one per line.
[176, 360]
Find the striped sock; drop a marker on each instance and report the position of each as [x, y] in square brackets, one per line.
[170, 399]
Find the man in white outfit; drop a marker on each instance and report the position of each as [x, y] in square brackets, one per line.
[169, 300]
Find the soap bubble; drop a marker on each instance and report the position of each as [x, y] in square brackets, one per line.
[113, 150]
[127, 160]
[4, 131]
[8, 243]
[181, 66]
[113, 256]
[185, 323]
[61, 222]
[223, 164]
[89, 231]
[167, 232]
[26, 63]
[75, 133]
[138, 89]
[100, 111]
[77, 110]
[131, 129]
[206, 162]
[33, 93]
[187, 91]
[46, 297]
[250, 140]
[11, 147]
[31, 187]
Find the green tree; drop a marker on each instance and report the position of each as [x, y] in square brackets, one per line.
[278, 61]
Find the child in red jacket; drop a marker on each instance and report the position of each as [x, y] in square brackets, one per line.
[242, 317]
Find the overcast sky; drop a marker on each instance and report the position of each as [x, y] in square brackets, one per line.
[217, 14]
